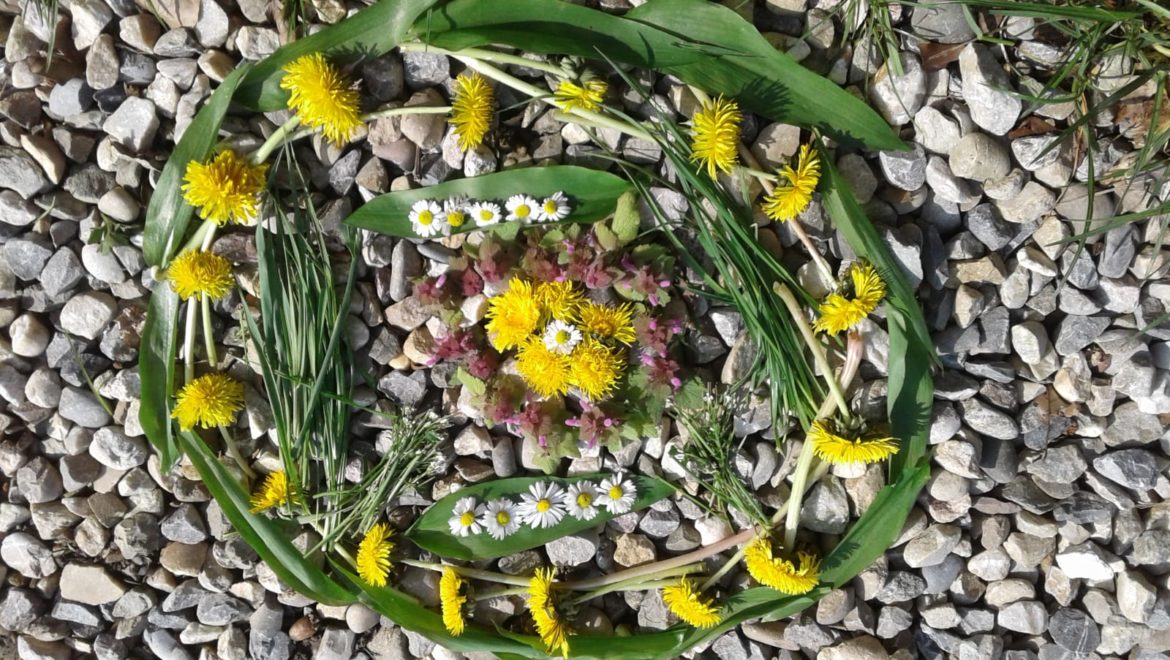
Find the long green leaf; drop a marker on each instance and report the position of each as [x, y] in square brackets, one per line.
[266, 537]
[431, 532]
[701, 42]
[592, 194]
[156, 369]
[167, 215]
[368, 33]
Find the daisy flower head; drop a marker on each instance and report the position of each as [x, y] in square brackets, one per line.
[784, 575]
[225, 189]
[580, 500]
[471, 109]
[715, 136]
[545, 371]
[686, 604]
[561, 337]
[617, 495]
[521, 208]
[198, 272]
[554, 208]
[559, 300]
[587, 96]
[209, 401]
[485, 214]
[841, 310]
[273, 492]
[322, 97]
[426, 218]
[455, 212]
[834, 447]
[373, 555]
[465, 516]
[513, 315]
[553, 630]
[616, 322]
[594, 368]
[451, 600]
[500, 519]
[541, 506]
[796, 188]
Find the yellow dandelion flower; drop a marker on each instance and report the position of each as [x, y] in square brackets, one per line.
[553, 631]
[715, 135]
[795, 192]
[615, 322]
[559, 300]
[452, 599]
[780, 573]
[587, 96]
[471, 109]
[373, 555]
[209, 401]
[513, 315]
[841, 311]
[322, 97]
[865, 448]
[274, 492]
[545, 370]
[594, 368]
[197, 272]
[225, 189]
[684, 601]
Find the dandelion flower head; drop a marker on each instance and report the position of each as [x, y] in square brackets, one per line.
[471, 109]
[587, 96]
[197, 272]
[545, 371]
[452, 599]
[796, 188]
[841, 311]
[609, 322]
[373, 555]
[715, 131]
[594, 368]
[274, 492]
[835, 448]
[225, 189]
[513, 315]
[209, 401]
[686, 603]
[559, 300]
[322, 97]
[553, 631]
[783, 575]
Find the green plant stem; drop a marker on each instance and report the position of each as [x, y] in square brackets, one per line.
[291, 130]
[275, 140]
[643, 585]
[636, 583]
[500, 593]
[818, 349]
[233, 450]
[198, 237]
[799, 479]
[189, 343]
[474, 573]
[485, 55]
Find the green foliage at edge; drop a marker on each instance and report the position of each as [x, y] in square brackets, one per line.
[156, 369]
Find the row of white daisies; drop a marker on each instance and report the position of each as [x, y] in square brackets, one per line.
[429, 218]
[544, 505]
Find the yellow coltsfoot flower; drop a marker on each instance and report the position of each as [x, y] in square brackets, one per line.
[834, 447]
[587, 96]
[594, 368]
[796, 188]
[225, 189]
[373, 555]
[452, 600]
[608, 322]
[841, 311]
[546, 371]
[197, 272]
[274, 492]
[685, 602]
[513, 315]
[471, 109]
[322, 97]
[784, 575]
[715, 136]
[209, 401]
[553, 630]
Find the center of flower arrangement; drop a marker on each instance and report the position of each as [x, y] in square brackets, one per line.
[563, 336]
[584, 500]
[543, 505]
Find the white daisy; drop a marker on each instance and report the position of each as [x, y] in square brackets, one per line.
[500, 519]
[581, 500]
[464, 517]
[617, 494]
[485, 213]
[554, 207]
[426, 217]
[521, 208]
[541, 506]
[561, 337]
[455, 212]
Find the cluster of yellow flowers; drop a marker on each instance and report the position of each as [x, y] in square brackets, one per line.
[563, 340]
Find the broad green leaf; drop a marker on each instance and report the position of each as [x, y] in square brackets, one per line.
[701, 42]
[592, 195]
[431, 532]
[167, 215]
[156, 369]
[626, 219]
[267, 538]
[475, 385]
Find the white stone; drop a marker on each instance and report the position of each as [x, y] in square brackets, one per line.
[91, 585]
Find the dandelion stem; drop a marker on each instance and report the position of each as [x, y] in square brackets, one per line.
[189, 343]
[500, 593]
[818, 349]
[296, 132]
[799, 479]
[474, 573]
[233, 450]
[275, 140]
[637, 583]
[486, 55]
[198, 237]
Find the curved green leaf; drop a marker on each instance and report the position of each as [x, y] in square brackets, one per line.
[431, 532]
[167, 215]
[592, 194]
[701, 42]
[156, 369]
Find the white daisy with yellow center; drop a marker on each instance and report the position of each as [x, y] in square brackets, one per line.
[455, 212]
[617, 494]
[485, 214]
[541, 506]
[580, 500]
[464, 519]
[554, 208]
[500, 519]
[426, 218]
[561, 337]
[521, 208]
